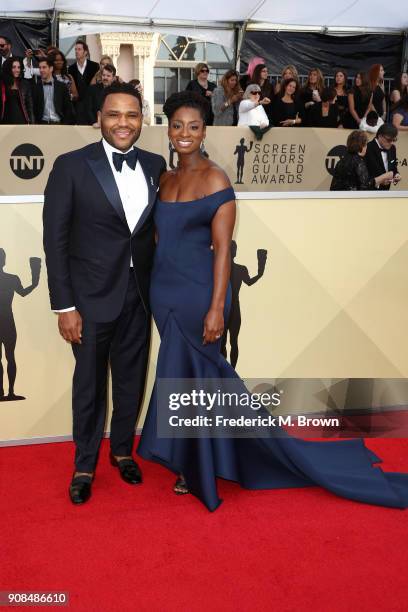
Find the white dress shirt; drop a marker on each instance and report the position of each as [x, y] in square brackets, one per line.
[81, 69]
[133, 191]
[384, 156]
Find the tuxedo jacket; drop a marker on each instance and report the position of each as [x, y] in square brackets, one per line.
[375, 164]
[82, 81]
[62, 102]
[87, 241]
[93, 102]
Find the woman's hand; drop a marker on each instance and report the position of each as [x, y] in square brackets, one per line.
[288, 122]
[213, 326]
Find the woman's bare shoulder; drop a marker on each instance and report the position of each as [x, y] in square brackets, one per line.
[166, 176]
[216, 178]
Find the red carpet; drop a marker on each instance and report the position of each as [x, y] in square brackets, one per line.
[144, 548]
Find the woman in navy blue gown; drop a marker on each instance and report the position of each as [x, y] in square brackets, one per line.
[190, 299]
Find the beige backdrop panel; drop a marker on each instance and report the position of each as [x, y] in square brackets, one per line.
[331, 303]
[287, 159]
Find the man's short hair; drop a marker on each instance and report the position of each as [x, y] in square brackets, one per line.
[48, 60]
[121, 88]
[388, 131]
[110, 68]
[372, 118]
[79, 41]
[6, 38]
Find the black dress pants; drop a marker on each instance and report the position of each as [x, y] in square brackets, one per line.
[124, 343]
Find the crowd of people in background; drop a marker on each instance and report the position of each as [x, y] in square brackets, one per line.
[52, 92]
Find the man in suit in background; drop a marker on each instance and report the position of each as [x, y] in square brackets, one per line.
[381, 154]
[94, 96]
[51, 101]
[5, 50]
[99, 245]
[82, 72]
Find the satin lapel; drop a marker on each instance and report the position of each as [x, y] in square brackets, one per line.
[152, 188]
[100, 167]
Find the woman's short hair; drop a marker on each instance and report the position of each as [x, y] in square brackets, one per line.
[250, 89]
[199, 68]
[186, 99]
[356, 141]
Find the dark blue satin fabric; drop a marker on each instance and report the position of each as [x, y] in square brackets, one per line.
[181, 292]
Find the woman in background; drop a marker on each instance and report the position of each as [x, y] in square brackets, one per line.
[251, 109]
[261, 78]
[310, 93]
[376, 76]
[286, 111]
[61, 74]
[203, 86]
[245, 79]
[399, 88]
[351, 173]
[16, 102]
[340, 85]
[359, 102]
[289, 72]
[325, 113]
[225, 99]
[399, 115]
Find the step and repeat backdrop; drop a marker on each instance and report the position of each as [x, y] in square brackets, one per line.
[286, 159]
[322, 291]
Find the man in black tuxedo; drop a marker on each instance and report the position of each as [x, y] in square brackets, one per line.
[381, 155]
[51, 101]
[82, 72]
[99, 244]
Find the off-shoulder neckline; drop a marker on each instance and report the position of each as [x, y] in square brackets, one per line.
[197, 199]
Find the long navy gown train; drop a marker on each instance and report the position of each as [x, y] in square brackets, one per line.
[181, 292]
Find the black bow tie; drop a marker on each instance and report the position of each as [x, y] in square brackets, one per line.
[383, 150]
[130, 158]
[47, 83]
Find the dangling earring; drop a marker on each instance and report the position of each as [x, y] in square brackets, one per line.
[171, 148]
[202, 149]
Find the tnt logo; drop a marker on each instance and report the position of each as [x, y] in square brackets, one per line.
[27, 161]
[333, 156]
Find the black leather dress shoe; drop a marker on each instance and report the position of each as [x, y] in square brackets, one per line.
[80, 489]
[129, 470]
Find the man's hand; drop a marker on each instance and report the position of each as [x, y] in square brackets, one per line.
[70, 326]
[397, 178]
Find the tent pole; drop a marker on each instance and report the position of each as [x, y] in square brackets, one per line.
[54, 28]
[404, 58]
[239, 39]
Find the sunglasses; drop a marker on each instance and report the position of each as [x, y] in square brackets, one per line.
[204, 70]
[2, 45]
[255, 93]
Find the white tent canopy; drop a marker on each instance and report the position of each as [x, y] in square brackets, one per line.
[368, 14]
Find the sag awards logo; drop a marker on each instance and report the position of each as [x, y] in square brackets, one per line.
[333, 156]
[27, 161]
[269, 163]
